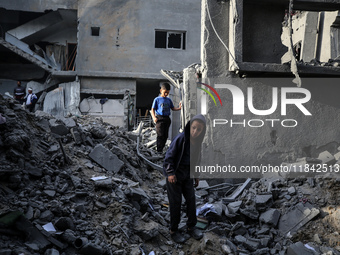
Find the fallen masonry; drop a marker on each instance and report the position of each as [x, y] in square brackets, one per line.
[77, 186]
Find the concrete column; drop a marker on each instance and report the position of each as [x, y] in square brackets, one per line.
[310, 38]
[211, 46]
[190, 93]
[72, 97]
[236, 31]
[54, 102]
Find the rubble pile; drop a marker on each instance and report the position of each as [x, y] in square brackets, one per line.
[47, 175]
[76, 186]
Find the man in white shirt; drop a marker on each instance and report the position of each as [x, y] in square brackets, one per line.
[31, 99]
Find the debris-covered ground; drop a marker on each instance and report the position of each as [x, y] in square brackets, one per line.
[77, 186]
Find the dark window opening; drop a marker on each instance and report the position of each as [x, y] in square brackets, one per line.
[297, 49]
[170, 40]
[71, 56]
[95, 31]
[160, 41]
[174, 40]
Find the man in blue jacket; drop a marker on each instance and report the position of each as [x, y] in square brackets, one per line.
[184, 150]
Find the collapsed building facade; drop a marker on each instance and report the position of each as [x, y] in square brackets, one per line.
[248, 44]
[109, 50]
[54, 172]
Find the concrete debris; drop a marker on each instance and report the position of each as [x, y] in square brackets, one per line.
[106, 200]
[106, 158]
[238, 191]
[297, 217]
[270, 217]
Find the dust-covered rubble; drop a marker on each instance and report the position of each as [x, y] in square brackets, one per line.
[76, 186]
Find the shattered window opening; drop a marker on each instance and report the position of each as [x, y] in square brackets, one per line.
[170, 40]
[95, 31]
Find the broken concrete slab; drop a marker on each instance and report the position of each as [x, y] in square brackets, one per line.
[106, 158]
[297, 217]
[263, 202]
[250, 211]
[106, 184]
[68, 122]
[137, 194]
[98, 132]
[148, 230]
[299, 248]
[58, 127]
[237, 191]
[291, 191]
[270, 217]
[162, 183]
[234, 206]
[76, 181]
[203, 184]
[54, 102]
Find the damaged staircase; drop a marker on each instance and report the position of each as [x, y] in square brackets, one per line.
[19, 39]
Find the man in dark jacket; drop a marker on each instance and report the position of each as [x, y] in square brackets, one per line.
[19, 93]
[185, 150]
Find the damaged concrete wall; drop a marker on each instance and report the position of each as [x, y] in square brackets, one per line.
[105, 85]
[250, 146]
[126, 40]
[190, 92]
[313, 31]
[212, 47]
[54, 102]
[72, 97]
[112, 111]
[326, 36]
[256, 28]
[63, 101]
[241, 145]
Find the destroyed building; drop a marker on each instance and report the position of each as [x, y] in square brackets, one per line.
[77, 184]
[110, 50]
[248, 43]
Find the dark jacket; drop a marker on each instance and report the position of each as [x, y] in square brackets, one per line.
[175, 152]
[19, 92]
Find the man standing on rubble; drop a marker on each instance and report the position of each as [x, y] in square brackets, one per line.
[160, 112]
[31, 99]
[19, 93]
[184, 151]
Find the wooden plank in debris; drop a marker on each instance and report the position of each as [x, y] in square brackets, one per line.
[232, 197]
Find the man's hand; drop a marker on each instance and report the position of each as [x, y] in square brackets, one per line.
[155, 119]
[180, 105]
[197, 181]
[172, 179]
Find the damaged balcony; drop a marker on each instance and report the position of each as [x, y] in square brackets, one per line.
[258, 49]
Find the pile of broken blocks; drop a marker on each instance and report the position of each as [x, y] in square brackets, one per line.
[76, 186]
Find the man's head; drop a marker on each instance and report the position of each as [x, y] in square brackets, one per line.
[196, 129]
[165, 89]
[19, 83]
[30, 90]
